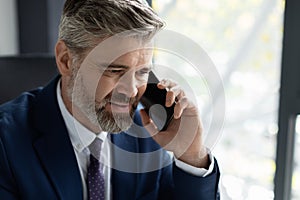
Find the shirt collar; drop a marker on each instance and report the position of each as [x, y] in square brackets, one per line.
[80, 136]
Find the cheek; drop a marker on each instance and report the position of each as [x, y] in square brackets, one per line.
[141, 90]
[90, 81]
[105, 87]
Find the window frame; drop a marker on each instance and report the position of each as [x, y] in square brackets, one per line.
[289, 96]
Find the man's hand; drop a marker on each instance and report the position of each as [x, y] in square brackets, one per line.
[184, 134]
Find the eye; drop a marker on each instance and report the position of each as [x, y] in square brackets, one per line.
[113, 72]
[142, 75]
[143, 72]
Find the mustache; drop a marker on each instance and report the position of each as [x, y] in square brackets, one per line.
[119, 98]
[122, 98]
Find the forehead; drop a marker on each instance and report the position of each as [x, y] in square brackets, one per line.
[136, 57]
[124, 51]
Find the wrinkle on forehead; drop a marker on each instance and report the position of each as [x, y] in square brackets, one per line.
[136, 58]
[114, 48]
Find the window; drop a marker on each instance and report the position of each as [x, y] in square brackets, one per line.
[296, 173]
[244, 40]
[8, 31]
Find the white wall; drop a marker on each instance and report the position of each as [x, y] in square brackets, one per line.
[8, 28]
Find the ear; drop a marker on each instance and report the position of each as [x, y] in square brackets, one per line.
[63, 58]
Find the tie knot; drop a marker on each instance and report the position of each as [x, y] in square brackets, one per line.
[95, 148]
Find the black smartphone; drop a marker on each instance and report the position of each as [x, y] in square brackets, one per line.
[154, 100]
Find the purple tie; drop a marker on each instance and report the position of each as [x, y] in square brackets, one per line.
[95, 176]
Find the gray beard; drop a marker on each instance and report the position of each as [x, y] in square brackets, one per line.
[108, 121]
[114, 122]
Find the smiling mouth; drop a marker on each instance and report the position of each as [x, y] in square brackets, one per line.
[118, 107]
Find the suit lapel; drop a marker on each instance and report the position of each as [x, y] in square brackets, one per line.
[54, 147]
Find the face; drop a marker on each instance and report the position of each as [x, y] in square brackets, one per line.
[108, 93]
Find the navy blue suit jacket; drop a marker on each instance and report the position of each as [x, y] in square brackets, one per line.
[37, 160]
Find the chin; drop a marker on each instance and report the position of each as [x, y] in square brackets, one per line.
[114, 122]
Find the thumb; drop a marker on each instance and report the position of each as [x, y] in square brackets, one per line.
[145, 117]
[148, 123]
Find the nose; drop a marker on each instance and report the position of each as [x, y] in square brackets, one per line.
[127, 84]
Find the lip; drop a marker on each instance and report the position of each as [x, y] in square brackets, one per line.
[119, 104]
[118, 107]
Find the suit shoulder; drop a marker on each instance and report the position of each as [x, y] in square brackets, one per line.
[15, 113]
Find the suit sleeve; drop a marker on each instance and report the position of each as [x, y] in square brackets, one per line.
[187, 186]
[176, 184]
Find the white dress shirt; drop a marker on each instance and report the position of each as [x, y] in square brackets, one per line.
[81, 138]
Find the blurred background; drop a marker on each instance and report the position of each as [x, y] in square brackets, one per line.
[260, 141]
[244, 40]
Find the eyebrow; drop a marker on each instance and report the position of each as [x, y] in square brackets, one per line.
[117, 66]
[112, 66]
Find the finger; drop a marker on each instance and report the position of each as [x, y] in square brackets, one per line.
[148, 123]
[170, 99]
[182, 104]
[145, 117]
[166, 84]
[173, 95]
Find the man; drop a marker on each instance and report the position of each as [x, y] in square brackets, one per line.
[103, 58]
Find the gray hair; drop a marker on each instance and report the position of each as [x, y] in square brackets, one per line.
[84, 22]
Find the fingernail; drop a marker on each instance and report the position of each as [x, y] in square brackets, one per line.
[163, 82]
